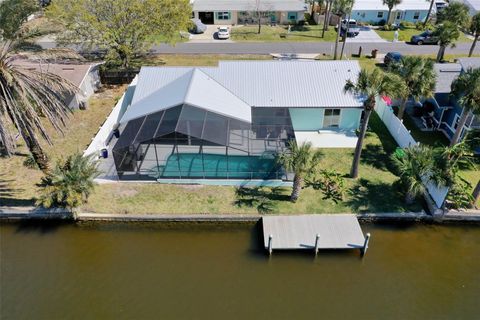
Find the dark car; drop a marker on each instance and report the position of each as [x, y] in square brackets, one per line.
[392, 57]
[426, 37]
[197, 26]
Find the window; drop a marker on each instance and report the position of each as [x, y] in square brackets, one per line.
[380, 14]
[399, 15]
[331, 118]
[223, 15]
[292, 16]
[416, 15]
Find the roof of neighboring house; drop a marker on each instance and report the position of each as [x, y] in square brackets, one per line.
[365, 5]
[446, 74]
[248, 5]
[234, 87]
[468, 63]
[473, 4]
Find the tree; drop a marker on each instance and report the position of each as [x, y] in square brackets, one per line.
[340, 7]
[432, 2]
[70, 183]
[326, 20]
[419, 77]
[25, 96]
[125, 28]
[370, 85]
[13, 13]
[390, 4]
[476, 194]
[447, 34]
[475, 30]
[301, 160]
[466, 88]
[456, 13]
[414, 166]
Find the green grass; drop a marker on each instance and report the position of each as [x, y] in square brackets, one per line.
[279, 33]
[407, 33]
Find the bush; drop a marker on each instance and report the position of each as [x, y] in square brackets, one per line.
[382, 22]
[331, 183]
[30, 162]
[407, 25]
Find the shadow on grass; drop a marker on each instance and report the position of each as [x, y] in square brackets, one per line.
[8, 195]
[263, 199]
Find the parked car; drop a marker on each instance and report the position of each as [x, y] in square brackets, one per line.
[392, 57]
[440, 5]
[197, 27]
[353, 29]
[426, 37]
[223, 33]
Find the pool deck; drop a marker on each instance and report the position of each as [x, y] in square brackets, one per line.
[313, 232]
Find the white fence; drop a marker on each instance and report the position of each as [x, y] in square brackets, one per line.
[404, 139]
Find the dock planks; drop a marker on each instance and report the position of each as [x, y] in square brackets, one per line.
[336, 231]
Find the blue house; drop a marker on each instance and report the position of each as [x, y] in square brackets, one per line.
[374, 11]
[446, 111]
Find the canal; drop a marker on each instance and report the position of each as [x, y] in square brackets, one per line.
[126, 271]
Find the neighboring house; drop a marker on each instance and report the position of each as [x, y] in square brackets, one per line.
[232, 12]
[374, 11]
[447, 112]
[473, 5]
[229, 122]
[85, 76]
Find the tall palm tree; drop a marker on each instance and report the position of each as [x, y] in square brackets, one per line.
[341, 8]
[326, 20]
[447, 34]
[432, 2]
[301, 160]
[25, 96]
[390, 4]
[475, 30]
[370, 85]
[414, 165]
[466, 88]
[419, 76]
[456, 13]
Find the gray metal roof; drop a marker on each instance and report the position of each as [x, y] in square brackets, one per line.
[446, 73]
[249, 5]
[468, 63]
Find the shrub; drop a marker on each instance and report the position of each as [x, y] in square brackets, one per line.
[30, 162]
[331, 183]
[459, 195]
[407, 25]
[382, 22]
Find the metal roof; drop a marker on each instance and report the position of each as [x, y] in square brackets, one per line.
[365, 5]
[468, 63]
[473, 4]
[248, 5]
[446, 73]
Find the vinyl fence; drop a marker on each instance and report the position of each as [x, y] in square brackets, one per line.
[404, 139]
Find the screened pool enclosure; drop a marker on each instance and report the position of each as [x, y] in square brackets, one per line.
[187, 142]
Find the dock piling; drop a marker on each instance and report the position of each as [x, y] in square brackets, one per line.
[316, 243]
[270, 248]
[365, 245]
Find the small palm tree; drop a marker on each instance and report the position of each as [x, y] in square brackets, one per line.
[419, 76]
[414, 165]
[341, 8]
[70, 183]
[25, 96]
[447, 34]
[301, 160]
[475, 30]
[370, 85]
[466, 88]
[457, 13]
[390, 4]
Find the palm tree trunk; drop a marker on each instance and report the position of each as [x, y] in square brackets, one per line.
[409, 198]
[402, 108]
[7, 142]
[429, 13]
[441, 53]
[325, 20]
[35, 149]
[344, 39]
[474, 43]
[476, 194]
[458, 131]
[259, 22]
[388, 15]
[358, 148]
[339, 28]
[297, 186]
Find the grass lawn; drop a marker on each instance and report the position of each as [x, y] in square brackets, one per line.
[196, 60]
[407, 33]
[273, 34]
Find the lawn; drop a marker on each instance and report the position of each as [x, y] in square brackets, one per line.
[406, 34]
[280, 33]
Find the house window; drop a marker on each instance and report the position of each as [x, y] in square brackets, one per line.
[416, 15]
[399, 15]
[380, 14]
[223, 15]
[331, 118]
[292, 16]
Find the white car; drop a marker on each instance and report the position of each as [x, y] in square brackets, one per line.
[223, 33]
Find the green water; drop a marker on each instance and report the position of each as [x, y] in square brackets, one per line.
[192, 272]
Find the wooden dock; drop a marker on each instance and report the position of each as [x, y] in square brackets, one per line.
[313, 232]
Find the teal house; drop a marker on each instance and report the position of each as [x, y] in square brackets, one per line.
[375, 12]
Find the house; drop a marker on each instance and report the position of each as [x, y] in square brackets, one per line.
[229, 122]
[375, 12]
[85, 76]
[473, 5]
[446, 111]
[232, 12]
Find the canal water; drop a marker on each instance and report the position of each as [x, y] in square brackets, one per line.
[125, 271]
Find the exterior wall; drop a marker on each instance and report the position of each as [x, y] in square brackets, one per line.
[233, 18]
[281, 17]
[371, 16]
[311, 119]
[89, 85]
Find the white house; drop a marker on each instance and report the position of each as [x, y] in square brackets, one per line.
[232, 12]
[374, 11]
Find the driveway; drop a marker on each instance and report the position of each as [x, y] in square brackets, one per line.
[367, 35]
[208, 36]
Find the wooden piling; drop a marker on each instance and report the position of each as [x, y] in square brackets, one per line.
[316, 243]
[270, 248]
[365, 245]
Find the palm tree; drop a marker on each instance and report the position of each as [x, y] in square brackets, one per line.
[70, 183]
[326, 20]
[414, 165]
[466, 88]
[301, 160]
[432, 2]
[370, 85]
[475, 30]
[390, 4]
[25, 96]
[456, 13]
[419, 76]
[341, 7]
[447, 34]
[476, 194]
